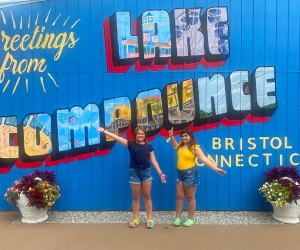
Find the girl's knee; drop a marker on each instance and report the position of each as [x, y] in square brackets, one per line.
[136, 197]
[179, 197]
[147, 197]
[190, 198]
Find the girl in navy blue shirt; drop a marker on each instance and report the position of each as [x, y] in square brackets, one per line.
[140, 179]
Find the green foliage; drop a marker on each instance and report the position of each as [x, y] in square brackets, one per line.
[275, 192]
[281, 185]
[39, 188]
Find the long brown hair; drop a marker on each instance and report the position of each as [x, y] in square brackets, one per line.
[192, 142]
[136, 130]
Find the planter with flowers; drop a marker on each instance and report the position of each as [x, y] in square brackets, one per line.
[281, 188]
[34, 195]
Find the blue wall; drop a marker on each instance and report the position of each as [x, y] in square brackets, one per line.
[260, 121]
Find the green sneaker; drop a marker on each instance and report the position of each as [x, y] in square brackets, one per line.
[150, 224]
[176, 222]
[188, 223]
[134, 223]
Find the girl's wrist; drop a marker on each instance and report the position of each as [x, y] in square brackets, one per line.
[161, 173]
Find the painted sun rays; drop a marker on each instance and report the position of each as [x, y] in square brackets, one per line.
[29, 24]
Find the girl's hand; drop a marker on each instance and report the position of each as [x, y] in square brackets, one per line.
[221, 171]
[170, 132]
[163, 178]
[100, 129]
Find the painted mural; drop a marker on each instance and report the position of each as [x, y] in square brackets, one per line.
[68, 67]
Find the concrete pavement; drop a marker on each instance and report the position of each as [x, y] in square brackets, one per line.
[44, 236]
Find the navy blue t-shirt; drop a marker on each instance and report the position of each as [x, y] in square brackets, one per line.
[139, 155]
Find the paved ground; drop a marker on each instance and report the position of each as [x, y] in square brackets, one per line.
[85, 236]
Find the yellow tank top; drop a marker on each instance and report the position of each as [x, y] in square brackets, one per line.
[186, 158]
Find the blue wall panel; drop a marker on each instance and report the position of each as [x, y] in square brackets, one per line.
[88, 69]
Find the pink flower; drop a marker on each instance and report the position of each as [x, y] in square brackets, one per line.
[49, 204]
[5, 195]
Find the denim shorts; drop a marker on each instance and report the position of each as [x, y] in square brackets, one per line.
[139, 175]
[189, 177]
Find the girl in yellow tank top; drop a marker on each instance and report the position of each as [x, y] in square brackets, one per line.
[186, 158]
[187, 174]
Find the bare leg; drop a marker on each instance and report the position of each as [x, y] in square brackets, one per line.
[190, 195]
[146, 191]
[136, 190]
[179, 198]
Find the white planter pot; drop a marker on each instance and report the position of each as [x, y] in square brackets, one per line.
[289, 213]
[31, 214]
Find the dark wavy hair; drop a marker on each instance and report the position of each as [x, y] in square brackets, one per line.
[192, 142]
[136, 130]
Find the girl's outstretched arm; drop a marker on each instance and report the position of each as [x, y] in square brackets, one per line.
[156, 166]
[199, 153]
[119, 139]
[172, 139]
